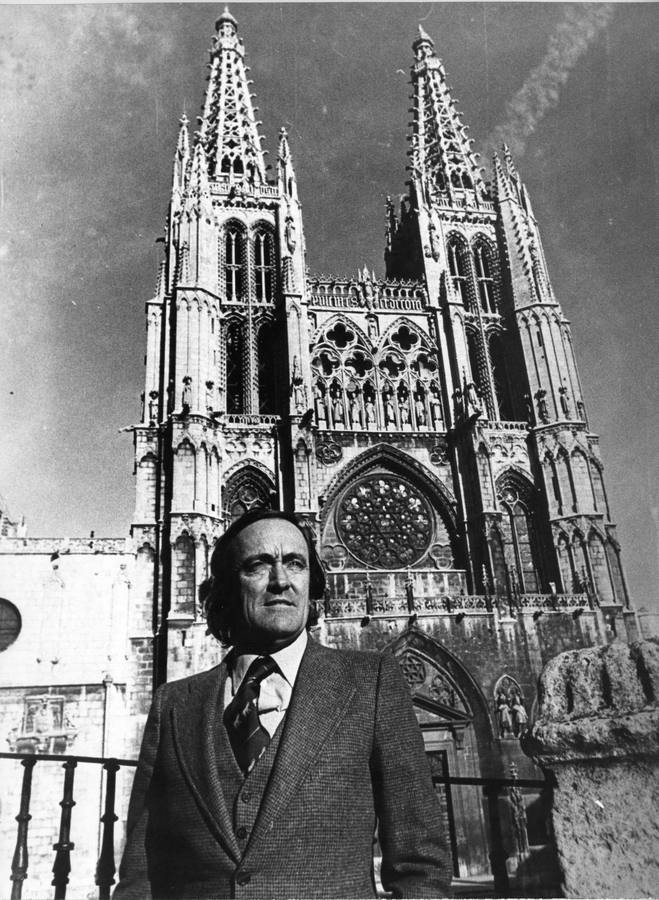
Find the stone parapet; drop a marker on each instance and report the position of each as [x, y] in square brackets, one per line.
[598, 733]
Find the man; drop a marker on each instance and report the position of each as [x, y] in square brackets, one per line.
[266, 776]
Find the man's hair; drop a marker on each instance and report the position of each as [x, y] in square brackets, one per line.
[219, 593]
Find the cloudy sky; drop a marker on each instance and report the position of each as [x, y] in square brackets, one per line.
[90, 98]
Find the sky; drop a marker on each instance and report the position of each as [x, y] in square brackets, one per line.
[90, 98]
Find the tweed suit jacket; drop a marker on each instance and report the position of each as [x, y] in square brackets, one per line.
[351, 754]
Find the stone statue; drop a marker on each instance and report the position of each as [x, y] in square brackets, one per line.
[338, 410]
[404, 410]
[153, 407]
[436, 409]
[389, 414]
[420, 410]
[186, 399]
[472, 398]
[320, 404]
[290, 234]
[504, 716]
[355, 418]
[519, 716]
[565, 403]
[543, 409]
[369, 407]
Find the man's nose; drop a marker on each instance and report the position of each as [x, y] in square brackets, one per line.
[279, 579]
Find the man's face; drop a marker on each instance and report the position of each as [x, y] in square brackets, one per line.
[271, 561]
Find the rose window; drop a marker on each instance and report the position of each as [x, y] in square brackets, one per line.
[385, 522]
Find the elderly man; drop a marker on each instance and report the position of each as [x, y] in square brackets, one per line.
[267, 776]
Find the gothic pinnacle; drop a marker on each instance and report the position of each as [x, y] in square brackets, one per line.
[229, 129]
[441, 151]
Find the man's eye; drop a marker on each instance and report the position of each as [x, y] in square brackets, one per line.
[257, 568]
[295, 565]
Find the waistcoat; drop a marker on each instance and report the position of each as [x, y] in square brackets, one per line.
[243, 795]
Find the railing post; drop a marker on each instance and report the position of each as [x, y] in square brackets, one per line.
[63, 847]
[497, 851]
[19, 861]
[105, 868]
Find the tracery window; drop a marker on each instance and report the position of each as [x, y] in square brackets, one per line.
[500, 376]
[484, 279]
[246, 490]
[397, 389]
[520, 542]
[263, 266]
[385, 522]
[234, 263]
[458, 271]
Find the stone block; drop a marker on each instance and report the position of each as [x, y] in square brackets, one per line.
[598, 733]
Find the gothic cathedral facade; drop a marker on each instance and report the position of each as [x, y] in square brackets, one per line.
[429, 426]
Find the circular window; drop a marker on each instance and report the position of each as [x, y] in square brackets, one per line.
[10, 624]
[385, 522]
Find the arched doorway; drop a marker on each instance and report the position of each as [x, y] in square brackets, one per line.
[457, 732]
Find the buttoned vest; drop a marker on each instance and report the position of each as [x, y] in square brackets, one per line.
[243, 795]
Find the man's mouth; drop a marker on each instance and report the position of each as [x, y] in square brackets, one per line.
[279, 601]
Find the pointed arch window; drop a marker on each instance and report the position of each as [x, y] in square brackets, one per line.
[501, 379]
[458, 271]
[613, 557]
[246, 490]
[235, 368]
[600, 568]
[263, 266]
[265, 345]
[484, 279]
[234, 263]
[519, 537]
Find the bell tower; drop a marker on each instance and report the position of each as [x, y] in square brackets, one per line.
[227, 349]
[526, 468]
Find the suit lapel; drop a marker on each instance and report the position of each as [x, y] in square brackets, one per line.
[318, 704]
[194, 727]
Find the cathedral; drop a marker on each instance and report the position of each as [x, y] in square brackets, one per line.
[428, 426]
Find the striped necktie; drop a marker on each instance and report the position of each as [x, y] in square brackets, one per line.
[249, 739]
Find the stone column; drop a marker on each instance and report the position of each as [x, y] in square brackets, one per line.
[598, 733]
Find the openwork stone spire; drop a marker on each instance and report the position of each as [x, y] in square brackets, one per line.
[229, 129]
[441, 151]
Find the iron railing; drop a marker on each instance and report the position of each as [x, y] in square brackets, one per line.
[105, 867]
[493, 790]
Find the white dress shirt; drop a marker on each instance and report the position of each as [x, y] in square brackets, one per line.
[276, 689]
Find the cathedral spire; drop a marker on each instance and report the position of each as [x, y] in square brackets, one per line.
[441, 151]
[229, 129]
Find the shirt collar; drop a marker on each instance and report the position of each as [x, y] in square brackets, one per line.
[288, 660]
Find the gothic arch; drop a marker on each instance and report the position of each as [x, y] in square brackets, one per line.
[517, 500]
[485, 272]
[233, 259]
[412, 327]
[599, 564]
[425, 647]
[262, 247]
[459, 267]
[385, 480]
[247, 488]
